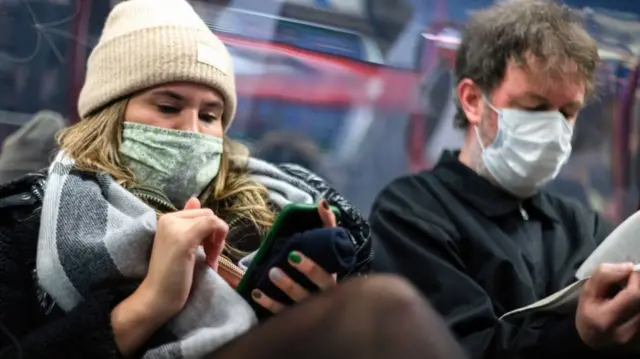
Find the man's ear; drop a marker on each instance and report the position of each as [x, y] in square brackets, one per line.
[470, 98]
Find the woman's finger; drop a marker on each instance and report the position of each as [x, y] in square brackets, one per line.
[191, 213]
[266, 302]
[312, 270]
[326, 214]
[192, 203]
[213, 245]
[292, 289]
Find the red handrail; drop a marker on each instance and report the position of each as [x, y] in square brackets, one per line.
[621, 157]
[77, 56]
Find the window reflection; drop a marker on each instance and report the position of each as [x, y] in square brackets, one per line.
[360, 91]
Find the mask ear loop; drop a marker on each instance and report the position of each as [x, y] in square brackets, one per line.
[476, 127]
[477, 131]
[486, 100]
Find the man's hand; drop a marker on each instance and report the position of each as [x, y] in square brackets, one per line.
[608, 314]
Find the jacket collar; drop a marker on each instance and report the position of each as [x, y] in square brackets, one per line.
[24, 191]
[474, 189]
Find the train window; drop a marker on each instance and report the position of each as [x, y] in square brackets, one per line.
[318, 123]
[304, 71]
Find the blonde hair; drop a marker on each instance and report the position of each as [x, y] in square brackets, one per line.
[234, 196]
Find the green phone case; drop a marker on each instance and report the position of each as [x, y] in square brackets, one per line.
[293, 218]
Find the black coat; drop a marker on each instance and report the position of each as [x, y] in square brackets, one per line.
[477, 253]
[33, 325]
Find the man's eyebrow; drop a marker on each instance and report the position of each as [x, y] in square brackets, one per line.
[576, 103]
[530, 96]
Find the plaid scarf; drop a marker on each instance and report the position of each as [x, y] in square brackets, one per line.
[93, 230]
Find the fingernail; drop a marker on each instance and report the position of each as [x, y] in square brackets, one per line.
[325, 204]
[256, 294]
[275, 274]
[295, 258]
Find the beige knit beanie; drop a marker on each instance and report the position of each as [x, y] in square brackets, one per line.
[146, 43]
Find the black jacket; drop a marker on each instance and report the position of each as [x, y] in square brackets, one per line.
[36, 327]
[477, 252]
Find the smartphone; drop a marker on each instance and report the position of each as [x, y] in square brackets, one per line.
[293, 218]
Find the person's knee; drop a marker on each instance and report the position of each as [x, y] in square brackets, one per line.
[399, 314]
[387, 293]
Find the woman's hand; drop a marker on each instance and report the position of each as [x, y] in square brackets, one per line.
[304, 265]
[164, 291]
[173, 257]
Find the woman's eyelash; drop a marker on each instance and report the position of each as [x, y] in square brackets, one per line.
[168, 109]
[208, 118]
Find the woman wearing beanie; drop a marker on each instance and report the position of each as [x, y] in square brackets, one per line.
[119, 249]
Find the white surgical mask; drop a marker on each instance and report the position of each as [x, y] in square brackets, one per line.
[529, 149]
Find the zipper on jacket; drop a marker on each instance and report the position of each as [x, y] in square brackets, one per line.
[153, 196]
[38, 189]
[523, 212]
[233, 222]
[156, 201]
[227, 264]
[361, 263]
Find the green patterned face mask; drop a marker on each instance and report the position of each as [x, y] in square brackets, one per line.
[180, 163]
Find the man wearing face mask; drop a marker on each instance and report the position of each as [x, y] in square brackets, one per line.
[476, 234]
